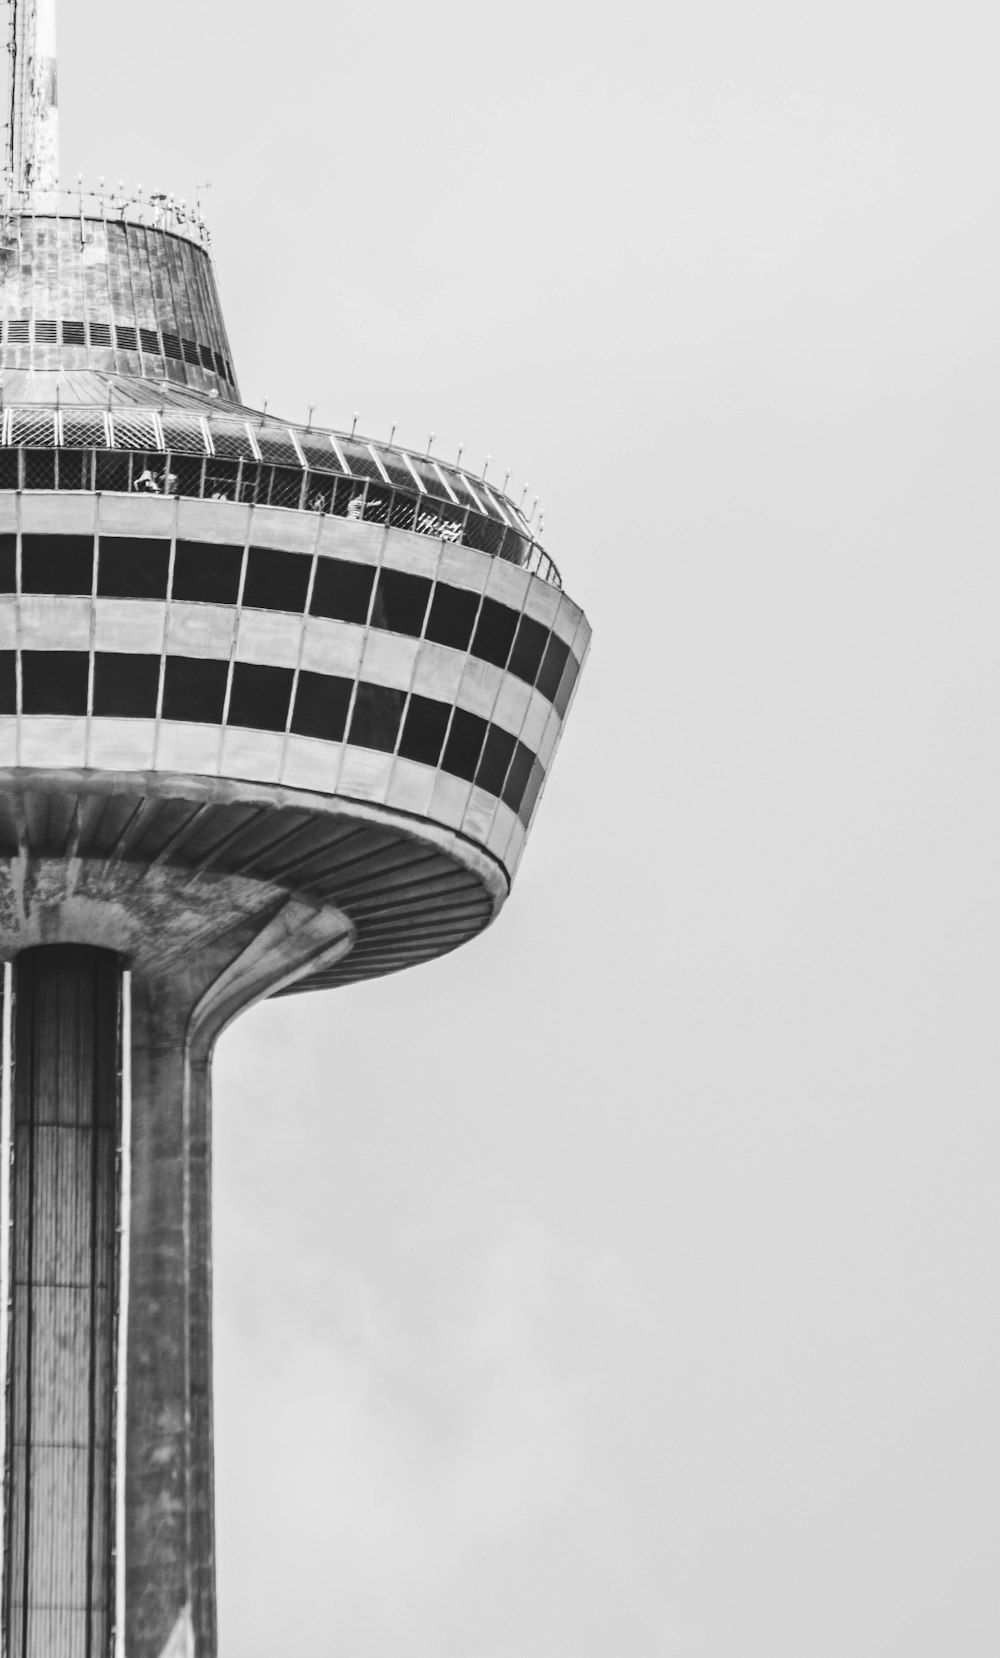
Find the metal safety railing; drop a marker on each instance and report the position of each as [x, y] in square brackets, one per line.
[155, 209]
[173, 451]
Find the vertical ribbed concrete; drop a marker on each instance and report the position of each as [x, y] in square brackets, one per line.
[59, 1565]
[84, 292]
[169, 1536]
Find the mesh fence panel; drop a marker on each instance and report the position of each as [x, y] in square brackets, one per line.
[276, 446]
[76, 469]
[134, 431]
[231, 440]
[221, 479]
[320, 491]
[483, 534]
[319, 452]
[36, 427]
[39, 469]
[378, 501]
[83, 431]
[112, 472]
[183, 434]
[286, 487]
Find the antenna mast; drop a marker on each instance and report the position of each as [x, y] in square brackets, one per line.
[33, 141]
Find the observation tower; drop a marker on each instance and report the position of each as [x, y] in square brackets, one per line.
[276, 708]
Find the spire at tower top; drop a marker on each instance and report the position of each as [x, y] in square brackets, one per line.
[33, 142]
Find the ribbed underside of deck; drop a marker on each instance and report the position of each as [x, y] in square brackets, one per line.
[409, 900]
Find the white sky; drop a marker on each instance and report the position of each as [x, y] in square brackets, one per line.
[626, 1283]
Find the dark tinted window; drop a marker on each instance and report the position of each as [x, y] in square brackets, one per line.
[321, 704]
[423, 731]
[465, 739]
[207, 574]
[8, 682]
[341, 590]
[276, 581]
[132, 567]
[376, 717]
[259, 696]
[552, 667]
[517, 777]
[566, 684]
[452, 617]
[529, 648]
[494, 632]
[57, 563]
[8, 469]
[126, 685]
[400, 601]
[536, 778]
[498, 751]
[54, 682]
[194, 689]
[8, 563]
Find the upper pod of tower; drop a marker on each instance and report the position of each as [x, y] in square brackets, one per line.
[231, 644]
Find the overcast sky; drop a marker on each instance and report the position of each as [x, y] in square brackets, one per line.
[626, 1284]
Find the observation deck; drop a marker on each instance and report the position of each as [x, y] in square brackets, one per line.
[58, 432]
[251, 637]
[246, 628]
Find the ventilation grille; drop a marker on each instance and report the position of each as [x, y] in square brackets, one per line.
[123, 337]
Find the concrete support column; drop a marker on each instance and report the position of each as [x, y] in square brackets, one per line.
[169, 1519]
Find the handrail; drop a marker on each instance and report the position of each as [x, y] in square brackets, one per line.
[145, 462]
[154, 209]
[245, 431]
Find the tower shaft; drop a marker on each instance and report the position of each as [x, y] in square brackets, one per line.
[33, 145]
[58, 1576]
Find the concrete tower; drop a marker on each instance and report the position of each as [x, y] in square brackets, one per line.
[276, 707]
